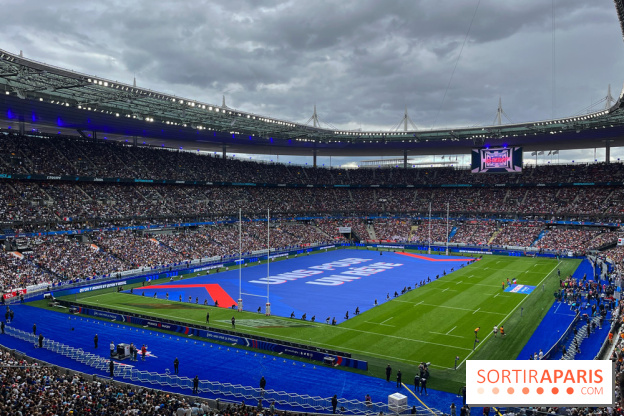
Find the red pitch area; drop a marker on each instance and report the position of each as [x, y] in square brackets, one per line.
[215, 291]
[418, 256]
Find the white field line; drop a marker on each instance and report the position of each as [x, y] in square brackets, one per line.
[338, 327]
[508, 315]
[447, 335]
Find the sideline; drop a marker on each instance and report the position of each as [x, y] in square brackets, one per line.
[508, 315]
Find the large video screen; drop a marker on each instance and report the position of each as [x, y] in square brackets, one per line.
[497, 160]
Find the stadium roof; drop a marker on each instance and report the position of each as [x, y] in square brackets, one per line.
[49, 98]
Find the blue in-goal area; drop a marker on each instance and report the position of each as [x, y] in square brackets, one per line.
[320, 285]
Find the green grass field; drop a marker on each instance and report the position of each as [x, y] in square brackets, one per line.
[434, 323]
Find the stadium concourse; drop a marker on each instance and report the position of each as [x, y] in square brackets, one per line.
[74, 210]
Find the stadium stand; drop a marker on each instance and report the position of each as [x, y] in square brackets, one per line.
[30, 388]
[397, 230]
[438, 229]
[66, 155]
[53, 205]
[567, 239]
[517, 234]
[176, 224]
[475, 233]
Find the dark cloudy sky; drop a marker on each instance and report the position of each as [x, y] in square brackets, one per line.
[361, 62]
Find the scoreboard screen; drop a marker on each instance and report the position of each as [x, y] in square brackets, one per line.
[496, 160]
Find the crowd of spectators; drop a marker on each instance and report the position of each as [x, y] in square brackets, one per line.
[68, 258]
[189, 244]
[615, 202]
[563, 239]
[604, 239]
[16, 271]
[35, 206]
[294, 234]
[51, 202]
[331, 228]
[102, 252]
[594, 202]
[539, 200]
[475, 233]
[22, 201]
[397, 200]
[392, 230]
[75, 205]
[518, 234]
[30, 389]
[135, 250]
[616, 254]
[66, 155]
[437, 229]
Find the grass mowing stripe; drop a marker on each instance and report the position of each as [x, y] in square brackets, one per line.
[509, 314]
[447, 307]
[289, 338]
[446, 335]
[419, 330]
[241, 323]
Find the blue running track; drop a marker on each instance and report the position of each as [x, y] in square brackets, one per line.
[210, 361]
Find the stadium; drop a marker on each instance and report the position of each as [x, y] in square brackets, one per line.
[142, 277]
